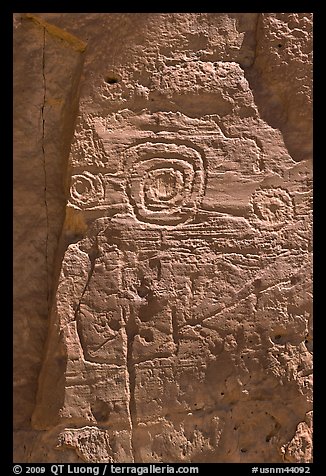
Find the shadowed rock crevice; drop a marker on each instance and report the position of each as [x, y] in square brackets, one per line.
[280, 78]
[132, 330]
[44, 170]
[46, 79]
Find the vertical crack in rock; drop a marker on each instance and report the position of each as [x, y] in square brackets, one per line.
[92, 257]
[132, 330]
[45, 175]
[256, 39]
[175, 329]
[91, 271]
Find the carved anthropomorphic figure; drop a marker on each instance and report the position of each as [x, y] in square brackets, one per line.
[182, 309]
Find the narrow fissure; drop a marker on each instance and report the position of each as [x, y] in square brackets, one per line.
[132, 330]
[92, 257]
[256, 38]
[175, 329]
[45, 177]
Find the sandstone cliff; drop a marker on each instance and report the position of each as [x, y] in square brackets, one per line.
[162, 227]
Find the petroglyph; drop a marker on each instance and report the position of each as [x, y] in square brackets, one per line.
[180, 327]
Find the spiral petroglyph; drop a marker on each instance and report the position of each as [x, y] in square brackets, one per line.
[166, 182]
[86, 190]
[271, 207]
[163, 305]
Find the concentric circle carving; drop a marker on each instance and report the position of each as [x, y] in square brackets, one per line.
[166, 182]
[271, 208]
[86, 190]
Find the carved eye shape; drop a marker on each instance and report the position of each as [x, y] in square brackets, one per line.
[271, 207]
[166, 182]
[86, 189]
[163, 187]
[81, 187]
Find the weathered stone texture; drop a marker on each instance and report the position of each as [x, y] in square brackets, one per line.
[282, 76]
[180, 326]
[47, 68]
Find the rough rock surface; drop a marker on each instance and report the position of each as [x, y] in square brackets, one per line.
[47, 68]
[179, 324]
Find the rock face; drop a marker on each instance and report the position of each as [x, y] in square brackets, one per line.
[176, 284]
[47, 68]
